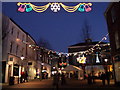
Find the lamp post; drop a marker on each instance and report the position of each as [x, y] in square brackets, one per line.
[42, 70]
[22, 57]
[106, 60]
[21, 69]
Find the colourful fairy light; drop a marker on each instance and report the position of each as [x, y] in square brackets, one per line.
[28, 8]
[81, 8]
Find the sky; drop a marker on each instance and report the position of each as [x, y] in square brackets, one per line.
[61, 29]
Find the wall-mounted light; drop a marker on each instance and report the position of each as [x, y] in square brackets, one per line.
[42, 63]
[105, 60]
[22, 57]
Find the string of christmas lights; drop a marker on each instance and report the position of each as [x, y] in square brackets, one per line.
[55, 7]
[66, 54]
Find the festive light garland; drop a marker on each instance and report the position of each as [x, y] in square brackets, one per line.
[55, 7]
[68, 54]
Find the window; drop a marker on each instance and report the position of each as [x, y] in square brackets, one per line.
[16, 70]
[23, 38]
[17, 34]
[22, 52]
[11, 45]
[17, 49]
[12, 31]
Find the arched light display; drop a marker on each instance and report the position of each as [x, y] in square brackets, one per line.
[55, 7]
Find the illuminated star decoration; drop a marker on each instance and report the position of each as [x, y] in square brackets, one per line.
[55, 7]
[97, 58]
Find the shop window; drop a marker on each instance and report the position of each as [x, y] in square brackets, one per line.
[11, 58]
[16, 70]
[29, 63]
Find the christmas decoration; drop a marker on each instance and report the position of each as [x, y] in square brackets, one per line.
[55, 7]
[97, 58]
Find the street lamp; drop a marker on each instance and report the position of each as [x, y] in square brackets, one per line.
[41, 69]
[22, 57]
[106, 60]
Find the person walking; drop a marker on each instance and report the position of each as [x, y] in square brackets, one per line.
[26, 76]
[89, 78]
[108, 77]
[63, 80]
[56, 80]
[103, 77]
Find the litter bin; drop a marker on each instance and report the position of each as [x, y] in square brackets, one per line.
[11, 80]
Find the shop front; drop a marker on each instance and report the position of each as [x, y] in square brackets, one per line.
[117, 68]
[14, 66]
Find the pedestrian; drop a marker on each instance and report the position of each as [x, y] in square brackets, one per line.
[108, 77]
[26, 76]
[89, 78]
[46, 75]
[63, 80]
[56, 80]
[22, 77]
[103, 77]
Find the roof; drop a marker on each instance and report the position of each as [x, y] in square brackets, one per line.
[23, 30]
[71, 68]
[84, 44]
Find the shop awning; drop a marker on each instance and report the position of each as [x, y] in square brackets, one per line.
[72, 68]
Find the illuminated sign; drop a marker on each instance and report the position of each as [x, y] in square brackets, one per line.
[81, 59]
[62, 64]
[55, 7]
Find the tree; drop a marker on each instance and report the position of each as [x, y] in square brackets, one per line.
[44, 43]
[86, 31]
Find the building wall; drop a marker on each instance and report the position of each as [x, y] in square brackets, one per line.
[13, 48]
[16, 45]
[113, 21]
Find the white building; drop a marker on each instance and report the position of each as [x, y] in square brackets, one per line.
[16, 44]
[31, 57]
